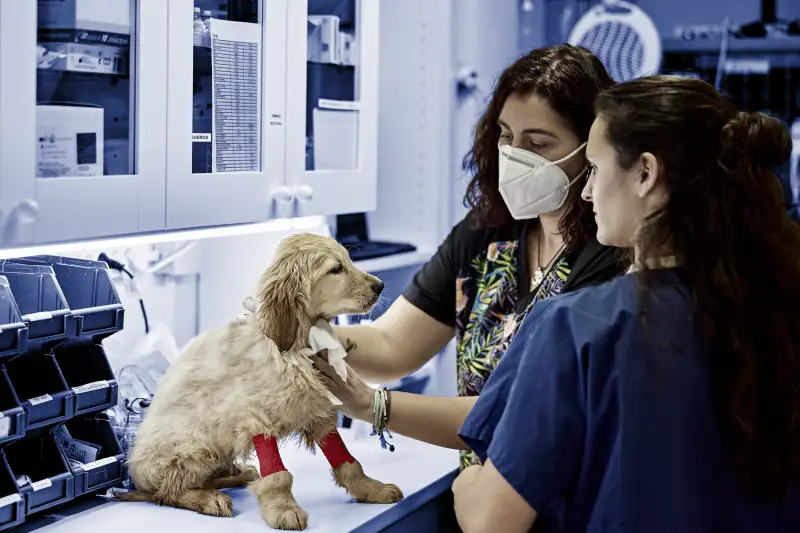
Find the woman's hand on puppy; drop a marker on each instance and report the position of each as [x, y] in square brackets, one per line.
[355, 394]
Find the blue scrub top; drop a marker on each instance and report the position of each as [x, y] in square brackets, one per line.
[605, 426]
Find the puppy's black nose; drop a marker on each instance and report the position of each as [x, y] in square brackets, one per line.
[377, 287]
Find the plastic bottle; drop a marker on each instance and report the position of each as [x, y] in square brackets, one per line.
[197, 28]
[207, 28]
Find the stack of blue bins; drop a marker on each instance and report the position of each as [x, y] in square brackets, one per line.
[54, 314]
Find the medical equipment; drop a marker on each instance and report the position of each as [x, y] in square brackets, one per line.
[197, 28]
[87, 35]
[622, 36]
[134, 287]
[70, 140]
[323, 39]
[352, 232]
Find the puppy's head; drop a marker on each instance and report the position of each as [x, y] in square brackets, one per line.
[312, 277]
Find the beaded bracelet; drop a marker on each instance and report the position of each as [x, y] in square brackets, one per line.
[381, 406]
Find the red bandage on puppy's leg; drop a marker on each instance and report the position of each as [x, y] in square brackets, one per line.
[269, 458]
[334, 449]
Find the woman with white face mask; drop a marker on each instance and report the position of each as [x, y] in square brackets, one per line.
[528, 237]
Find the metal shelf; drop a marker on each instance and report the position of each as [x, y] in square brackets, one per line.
[785, 45]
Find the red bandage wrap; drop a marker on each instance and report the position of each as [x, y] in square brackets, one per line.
[269, 458]
[334, 449]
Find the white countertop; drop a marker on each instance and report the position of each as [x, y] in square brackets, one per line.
[412, 466]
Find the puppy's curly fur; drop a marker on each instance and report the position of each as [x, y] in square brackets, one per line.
[252, 378]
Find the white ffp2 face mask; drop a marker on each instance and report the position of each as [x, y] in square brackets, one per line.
[530, 184]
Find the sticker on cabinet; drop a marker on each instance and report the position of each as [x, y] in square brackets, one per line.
[236, 89]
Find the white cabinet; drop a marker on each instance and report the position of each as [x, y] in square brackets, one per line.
[121, 117]
[83, 86]
[332, 105]
[226, 145]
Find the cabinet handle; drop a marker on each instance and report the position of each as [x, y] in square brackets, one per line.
[303, 193]
[282, 200]
[282, 194]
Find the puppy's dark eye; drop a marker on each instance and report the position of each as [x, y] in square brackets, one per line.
[338, 268]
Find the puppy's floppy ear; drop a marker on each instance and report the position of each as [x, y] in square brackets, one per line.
[286, 290]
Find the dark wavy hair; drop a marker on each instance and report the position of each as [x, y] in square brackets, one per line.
[740, 257]
[569, 78]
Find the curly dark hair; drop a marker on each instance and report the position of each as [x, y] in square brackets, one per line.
[569, 78]
[739, 255]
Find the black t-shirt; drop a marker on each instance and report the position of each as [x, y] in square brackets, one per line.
[434, 287]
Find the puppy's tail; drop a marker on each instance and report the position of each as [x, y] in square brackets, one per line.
[133, 496]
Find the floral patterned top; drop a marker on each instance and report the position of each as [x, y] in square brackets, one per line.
[477, 283]
[487, 316]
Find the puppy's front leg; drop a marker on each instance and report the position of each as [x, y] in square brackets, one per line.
[348, 474]
[274, 489]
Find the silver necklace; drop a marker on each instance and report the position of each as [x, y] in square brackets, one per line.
[539, 272]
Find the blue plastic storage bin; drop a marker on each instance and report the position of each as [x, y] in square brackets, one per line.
[89, 292]
[54, 313]
[40, 301]
[41, 389]
[12, 504]
[13, 341]
[106, 470]
[87, 372]
[12, 415]
[41, 459]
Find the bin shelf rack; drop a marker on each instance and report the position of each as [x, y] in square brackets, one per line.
[55, 382]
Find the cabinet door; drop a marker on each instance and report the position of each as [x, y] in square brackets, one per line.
[226, 107]
[82, 119]
[332, 112]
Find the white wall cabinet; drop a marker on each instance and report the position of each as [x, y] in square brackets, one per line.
[82, 126]
[114, 122]
[226, 123]
[332, 105]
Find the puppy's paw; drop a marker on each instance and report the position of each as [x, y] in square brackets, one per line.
[371, 490]
[363, 488]
[285, 517]
[249, 474]
[217, 504]
[278, 506]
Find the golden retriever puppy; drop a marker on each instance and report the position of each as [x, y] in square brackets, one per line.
[246, 386]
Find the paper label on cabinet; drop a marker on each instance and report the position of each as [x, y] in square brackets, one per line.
[99, 463]
[41, 485]
[276, 119]
[40, 399]
[236, 88]
[341, 105]
[95, 385]
[34, 317]
[201, 137]
[8, 500]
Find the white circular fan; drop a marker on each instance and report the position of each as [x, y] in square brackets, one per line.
[622, 36]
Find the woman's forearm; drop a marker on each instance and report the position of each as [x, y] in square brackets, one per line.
[400, 341]
[432, 419]
[371, 353]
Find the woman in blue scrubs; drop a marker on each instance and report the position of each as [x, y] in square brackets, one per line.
[667, 400]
